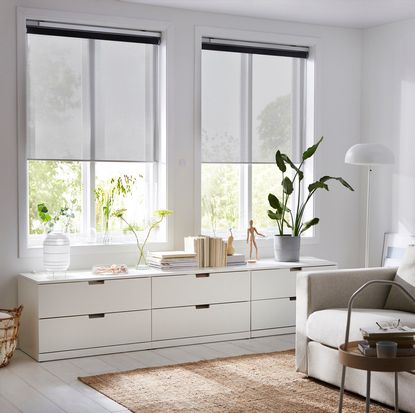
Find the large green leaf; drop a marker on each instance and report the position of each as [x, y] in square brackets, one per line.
[317, 185]
[287, 185]
[337, 178]
[280, 162]
[309, 224]
[291, 163]
[274, 215]
[311, 150]
[274, 202]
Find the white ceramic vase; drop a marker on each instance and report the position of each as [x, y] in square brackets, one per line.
[56, 252]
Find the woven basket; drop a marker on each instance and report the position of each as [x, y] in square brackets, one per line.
[9, 330]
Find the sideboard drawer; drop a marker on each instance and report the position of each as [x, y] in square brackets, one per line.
[97, 330]
[183, 290]
[196, 321]
[77, 298]
[273, 284]
[273, 313]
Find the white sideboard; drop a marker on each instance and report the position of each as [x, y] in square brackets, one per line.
[81, 314]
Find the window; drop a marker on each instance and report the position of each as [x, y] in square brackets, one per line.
[92, 118]
[253, 103]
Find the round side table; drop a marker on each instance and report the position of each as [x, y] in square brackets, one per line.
[350, 356]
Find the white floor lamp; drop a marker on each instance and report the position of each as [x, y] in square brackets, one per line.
[369, 155]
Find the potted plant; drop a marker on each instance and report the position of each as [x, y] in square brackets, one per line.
[291, 219]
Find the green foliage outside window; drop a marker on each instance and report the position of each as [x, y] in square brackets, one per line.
[106, 195]
[275, 126]
[56, 184]
[220, 196]
[221, 189]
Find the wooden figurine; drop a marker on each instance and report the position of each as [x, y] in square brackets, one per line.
[230, 250]
[250, 236]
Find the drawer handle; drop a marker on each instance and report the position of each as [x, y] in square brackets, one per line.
[202, 306]
[97, 282]
[296, 269]
[100, 315]
[293, 298]
[202, 275]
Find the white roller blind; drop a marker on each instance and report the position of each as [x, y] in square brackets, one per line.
[91, 93]
[252, 101]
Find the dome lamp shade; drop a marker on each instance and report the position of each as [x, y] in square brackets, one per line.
[369, 154]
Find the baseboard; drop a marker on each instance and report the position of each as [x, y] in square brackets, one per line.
[272, 332]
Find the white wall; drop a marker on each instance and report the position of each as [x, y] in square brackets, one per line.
[338, 119]
[388, 117]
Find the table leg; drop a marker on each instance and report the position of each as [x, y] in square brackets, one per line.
[396, 393]
[342, 389]
[368, 392]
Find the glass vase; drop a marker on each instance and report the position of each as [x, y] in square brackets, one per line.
[142, 257]
[106, 239]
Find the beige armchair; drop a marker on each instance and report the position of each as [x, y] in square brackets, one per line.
[322, 299]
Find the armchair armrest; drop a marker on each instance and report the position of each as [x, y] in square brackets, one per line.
[333, 289]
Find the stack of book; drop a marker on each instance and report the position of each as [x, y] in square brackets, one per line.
[199, 246]
[236, 259]
[172, 259]
[403, 336]
[210, 251]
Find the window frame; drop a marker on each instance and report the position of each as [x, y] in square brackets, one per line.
[161, 131]
[312, 101]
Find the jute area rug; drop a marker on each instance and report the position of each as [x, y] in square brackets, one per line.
[252, 383]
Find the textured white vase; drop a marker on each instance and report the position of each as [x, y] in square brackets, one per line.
[56, 252]
[287, 248]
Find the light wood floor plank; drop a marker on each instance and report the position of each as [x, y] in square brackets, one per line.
[99, 398]
[24, 396]
[286, 341]
[53, 387]
[7, 407]
[150, 358]
[64, 369]
[177, 355]
[92, 365]
[228, 349]
[121, 361]
[203, 352]
[69, 373]
[263, 345]
[290, 338]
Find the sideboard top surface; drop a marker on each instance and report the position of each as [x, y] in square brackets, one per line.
[87, 275]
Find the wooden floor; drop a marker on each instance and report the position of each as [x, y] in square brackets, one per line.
[49, 387]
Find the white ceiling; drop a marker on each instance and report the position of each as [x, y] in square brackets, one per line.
[345, 13]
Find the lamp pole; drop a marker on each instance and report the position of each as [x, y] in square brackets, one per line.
[367, 238]
[368, 155]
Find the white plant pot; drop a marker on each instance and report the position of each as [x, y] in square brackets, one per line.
[56, 252]
[287, 248]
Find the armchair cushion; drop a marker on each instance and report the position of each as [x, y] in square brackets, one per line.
[405, 276]
[328, 326]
